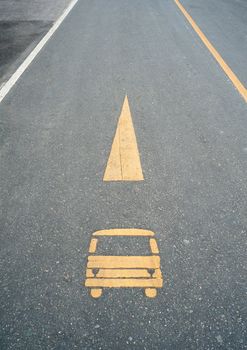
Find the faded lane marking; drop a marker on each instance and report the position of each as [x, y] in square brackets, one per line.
[124, 161]
[232, 76]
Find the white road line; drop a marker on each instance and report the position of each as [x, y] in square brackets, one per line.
[21, 69]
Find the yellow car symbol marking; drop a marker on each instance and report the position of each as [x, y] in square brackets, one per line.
[121, 271]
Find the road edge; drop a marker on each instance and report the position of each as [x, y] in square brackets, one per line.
[7, 86]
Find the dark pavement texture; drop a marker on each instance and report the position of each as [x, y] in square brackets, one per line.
[22, 24]
[17, 39]
[57, 126]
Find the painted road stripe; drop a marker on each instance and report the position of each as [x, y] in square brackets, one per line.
[124, 282]
[236, 82]
[124, 232]
[93, 245]
[124, 262]
[154, 246]
[123, 273]
[124, 161]
[21, 69]
[119, 273]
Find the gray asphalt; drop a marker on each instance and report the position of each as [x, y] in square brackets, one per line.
[57, 126]
[22, 24]
[224, 23]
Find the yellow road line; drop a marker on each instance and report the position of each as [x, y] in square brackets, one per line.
[93, 245]
[116, 273]
[89, 273]
[124, 161]
[154, 246]
[124, 282]
[124, 232]
[116, 262]
[236, 82]
[123, 273]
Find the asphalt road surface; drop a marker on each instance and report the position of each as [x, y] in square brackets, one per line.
[22, 25]
[57, 126]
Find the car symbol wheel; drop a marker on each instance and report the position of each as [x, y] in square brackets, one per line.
[151, 292]
[96, 292]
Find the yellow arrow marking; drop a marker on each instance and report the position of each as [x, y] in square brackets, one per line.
[124, 161]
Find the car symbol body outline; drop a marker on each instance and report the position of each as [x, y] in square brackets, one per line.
[121, 271]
